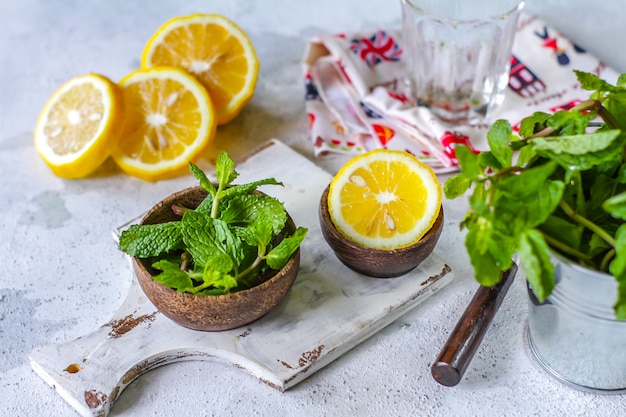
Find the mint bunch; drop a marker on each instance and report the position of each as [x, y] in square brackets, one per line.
[224, 244]
[559, 185]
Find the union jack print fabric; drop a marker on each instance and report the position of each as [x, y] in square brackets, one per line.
[356, 100]
[378, 48]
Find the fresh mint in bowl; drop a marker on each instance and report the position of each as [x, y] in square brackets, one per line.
[216, 256]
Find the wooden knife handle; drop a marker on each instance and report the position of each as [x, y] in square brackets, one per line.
[459, 349]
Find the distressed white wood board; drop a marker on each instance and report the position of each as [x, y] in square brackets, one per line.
[329, 310]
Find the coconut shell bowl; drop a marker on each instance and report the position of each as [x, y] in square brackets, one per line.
[376, 262]
[212, 312]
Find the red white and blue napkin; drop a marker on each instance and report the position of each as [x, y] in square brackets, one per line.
[355, 97]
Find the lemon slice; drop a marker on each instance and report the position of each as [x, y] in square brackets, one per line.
[215, 51]
[169, 121]
[79, 125]
[384, 199]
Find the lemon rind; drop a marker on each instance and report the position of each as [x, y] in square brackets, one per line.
[99, 147]
[206, 131]
[237, 101]
[400, 240]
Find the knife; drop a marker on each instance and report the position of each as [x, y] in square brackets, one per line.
[459, 349]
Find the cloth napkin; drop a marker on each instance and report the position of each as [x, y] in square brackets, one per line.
[355, 97]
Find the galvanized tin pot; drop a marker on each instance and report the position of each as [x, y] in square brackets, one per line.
[574, 334]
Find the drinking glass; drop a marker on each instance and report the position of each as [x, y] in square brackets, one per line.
[458, 55]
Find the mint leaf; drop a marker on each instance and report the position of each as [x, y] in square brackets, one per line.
[478, 200]
[220, 262]
[526, 154]
[486, 270]
[488, 251]
[486, 159]
[248, 188]
[563, 230]
[204, 180]
[456, 186]
[604, 192]
[534, 255]
[621, 175]
[616, 206]
[581, 152]
[597, 246]
[530, 181]
[618, 270]
[205, 237]
[225, 170]
[517, 213]
[589, 81]
[172, 276]
[144, 241]
[499, 137]
[468, 162]
[569, 123]
[278, 256]
[216, 273]
[205, 205]
[615, 103]
[247, 209]
[531, 124]
[223, 281]
[258, 233]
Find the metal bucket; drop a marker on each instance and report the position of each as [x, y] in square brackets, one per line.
[574, 334]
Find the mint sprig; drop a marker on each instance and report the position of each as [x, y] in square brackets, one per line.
[224, 244]
[151, 239]
[559, 184]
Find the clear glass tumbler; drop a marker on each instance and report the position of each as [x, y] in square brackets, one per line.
[458, 55]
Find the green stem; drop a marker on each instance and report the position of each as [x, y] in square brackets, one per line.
[215, 203]
[185, 260]
[607, 117]
[562, 247]
[259, 257]
[179, 210]
[506, 170]
[203, 286]
[495, 176]
[582, 106]
[249, 269]
[604, 265]
[546, 131]
[577, 183]
[197, 277]
[587, 223]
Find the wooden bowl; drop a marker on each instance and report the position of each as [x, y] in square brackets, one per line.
[213, 312]
[377, 262]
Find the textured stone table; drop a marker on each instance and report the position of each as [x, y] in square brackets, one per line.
[62, 277]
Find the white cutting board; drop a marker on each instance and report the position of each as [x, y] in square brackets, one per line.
[329, 310]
